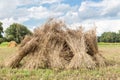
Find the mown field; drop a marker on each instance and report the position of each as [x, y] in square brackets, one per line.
[111, 51]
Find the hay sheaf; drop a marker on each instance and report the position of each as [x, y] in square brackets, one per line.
[55, 46]
[12, 44]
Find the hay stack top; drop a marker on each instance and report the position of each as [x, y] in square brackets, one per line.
[53, 45]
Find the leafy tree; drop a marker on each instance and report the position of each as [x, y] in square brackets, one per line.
[1, 30]
[1, 40]
[98, 38]
[110, 37]
[16, 32]
[10, 38]
[118, 36]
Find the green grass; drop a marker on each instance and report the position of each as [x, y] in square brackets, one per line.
[48, 74]
[4, 44]
[111, 52]
[102, 44]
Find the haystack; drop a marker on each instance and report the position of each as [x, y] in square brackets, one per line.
[12, 44]
[55, 46]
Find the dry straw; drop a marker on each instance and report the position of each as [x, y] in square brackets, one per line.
[55, 46]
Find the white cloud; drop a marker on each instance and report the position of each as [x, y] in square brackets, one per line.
[60, 7]
[38, 2]
[49, 1]
[108, 25]
[105, 8]
[8, 21]
[55, 11]
[103, 13]
[111, 7]
[10, 14]
[38, 12]
[10, 8]
[71, 17]
[102, 25]
[25, 2]
[7, 7]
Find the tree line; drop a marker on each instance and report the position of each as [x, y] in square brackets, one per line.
[111, 37]
[15, 32]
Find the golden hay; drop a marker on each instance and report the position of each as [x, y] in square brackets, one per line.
[55, 46]
[12, 44]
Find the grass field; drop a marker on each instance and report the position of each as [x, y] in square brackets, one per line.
[109, 50]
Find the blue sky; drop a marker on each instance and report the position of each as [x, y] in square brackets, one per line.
[105, 14]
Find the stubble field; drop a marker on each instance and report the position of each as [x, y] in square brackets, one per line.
[112, 72]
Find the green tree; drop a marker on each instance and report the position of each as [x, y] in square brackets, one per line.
[98, 38]
[16, 32]
[1, 30]
[118, 36]
[109, 37]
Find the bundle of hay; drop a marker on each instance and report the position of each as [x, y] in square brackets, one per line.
[55, 46]
[12, 44]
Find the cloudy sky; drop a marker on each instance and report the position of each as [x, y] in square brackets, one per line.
[105, 14]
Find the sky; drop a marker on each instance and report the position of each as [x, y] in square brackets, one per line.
[104, 14]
